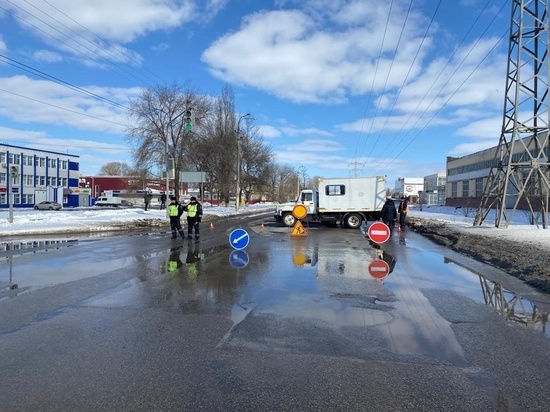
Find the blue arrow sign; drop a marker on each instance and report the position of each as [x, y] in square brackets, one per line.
[238, 259]
[238, 239]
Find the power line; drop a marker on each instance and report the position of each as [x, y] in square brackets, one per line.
[62, 108]
[40, 73]
[108, 65]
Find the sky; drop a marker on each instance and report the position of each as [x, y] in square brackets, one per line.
[340, 87]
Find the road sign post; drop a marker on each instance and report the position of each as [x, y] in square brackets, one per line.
[379, 232]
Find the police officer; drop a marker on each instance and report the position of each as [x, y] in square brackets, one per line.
[194, 216]
[175, 210]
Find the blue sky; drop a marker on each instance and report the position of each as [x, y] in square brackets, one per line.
[341, 87]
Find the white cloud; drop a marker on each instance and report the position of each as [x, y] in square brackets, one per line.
[41, 140]
[316, 145]
[56, 104]
[489, 128]
[293, 55]
[47, 56]
[269, 132]
[3, 45]
[295, 131]
[97, 31]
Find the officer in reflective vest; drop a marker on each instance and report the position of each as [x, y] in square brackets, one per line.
[194, 216]
[175, 210]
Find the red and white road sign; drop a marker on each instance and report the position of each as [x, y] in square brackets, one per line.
[379, 232]
[379, 269]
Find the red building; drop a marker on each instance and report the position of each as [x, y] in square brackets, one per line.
[123, 184]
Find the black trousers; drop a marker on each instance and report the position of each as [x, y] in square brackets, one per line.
[193, 223]
[402, 219]
[175, 224]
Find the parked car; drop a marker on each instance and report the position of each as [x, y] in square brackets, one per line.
[48, 206]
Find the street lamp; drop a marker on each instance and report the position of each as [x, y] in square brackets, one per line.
[238, 191]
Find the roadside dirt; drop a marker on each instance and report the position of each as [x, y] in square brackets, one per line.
[531, 266]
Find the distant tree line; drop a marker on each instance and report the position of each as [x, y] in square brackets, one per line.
[159, 132]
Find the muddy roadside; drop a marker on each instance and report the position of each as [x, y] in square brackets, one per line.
[531, 265]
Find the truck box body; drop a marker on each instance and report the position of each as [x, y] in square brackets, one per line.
[108, 201]
[347, 200]
[351, 194]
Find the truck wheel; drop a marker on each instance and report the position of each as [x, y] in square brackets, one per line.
[289, 220]
[353, 221]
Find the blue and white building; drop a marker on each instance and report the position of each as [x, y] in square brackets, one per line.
[32, 176]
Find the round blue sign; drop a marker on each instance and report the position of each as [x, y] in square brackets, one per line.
[238, 259]
[238, 239]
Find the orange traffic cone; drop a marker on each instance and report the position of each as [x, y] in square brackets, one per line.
[211, 225]
[399, 228]
[262, 225]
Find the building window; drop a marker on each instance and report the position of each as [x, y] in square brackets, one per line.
[28, 199]
[479, 187]
[40, 180]
[52, 181]
[16, 198]
[3, 178]
[15, 159]
[465, 188]
[27, 180]
[53, 162]
[3, 198]
[2, 157]
[64, 165]
[41, 161]
[27, 160]
[64, 182]
[335, 190]
[454, 189]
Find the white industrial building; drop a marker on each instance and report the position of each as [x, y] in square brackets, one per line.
[409, 187]
[32, 176]
[434, 189]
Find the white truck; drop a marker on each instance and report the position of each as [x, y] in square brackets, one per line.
[115, 201]
[347, 200]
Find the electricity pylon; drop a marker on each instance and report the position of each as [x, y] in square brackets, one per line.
[520, 173]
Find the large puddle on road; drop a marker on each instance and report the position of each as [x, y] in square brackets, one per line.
[298, 295]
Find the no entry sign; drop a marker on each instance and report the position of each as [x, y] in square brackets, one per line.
[379, 269]
[379, 232]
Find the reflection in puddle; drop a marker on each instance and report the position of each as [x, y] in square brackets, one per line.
[509, 305]
[33, 245]
[513, 307]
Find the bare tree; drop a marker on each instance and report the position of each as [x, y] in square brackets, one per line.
[256, 158]
[303, 176]
[158, 133]
[116, 169]
[283, 182]
[216, 150]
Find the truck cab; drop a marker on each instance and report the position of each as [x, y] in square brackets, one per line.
[310, 199]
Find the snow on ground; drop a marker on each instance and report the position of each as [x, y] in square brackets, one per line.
[519, 229]
[95, 219]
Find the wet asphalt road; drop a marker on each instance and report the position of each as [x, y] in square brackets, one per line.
[141, 322]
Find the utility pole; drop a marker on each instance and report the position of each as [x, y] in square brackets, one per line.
[520, 170]
[238, 188]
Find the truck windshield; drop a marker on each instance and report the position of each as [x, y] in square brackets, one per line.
[307, 197]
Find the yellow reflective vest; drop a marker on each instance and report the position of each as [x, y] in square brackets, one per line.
[192, 210]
